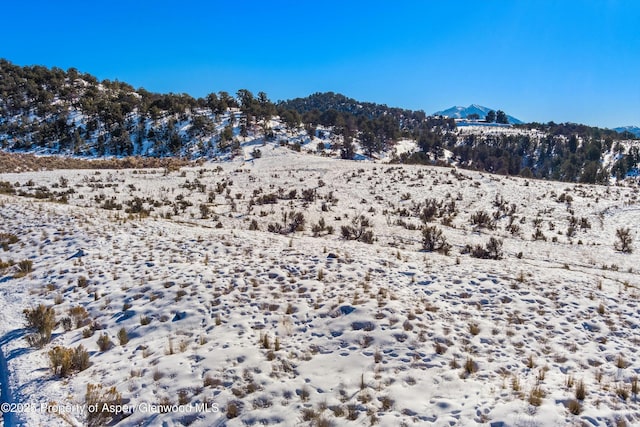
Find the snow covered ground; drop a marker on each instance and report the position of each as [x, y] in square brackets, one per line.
[229, 323]
[489, 130]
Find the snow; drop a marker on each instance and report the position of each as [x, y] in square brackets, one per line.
[357, 323]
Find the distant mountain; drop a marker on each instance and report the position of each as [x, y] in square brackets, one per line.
[464, 112]
[635, 130]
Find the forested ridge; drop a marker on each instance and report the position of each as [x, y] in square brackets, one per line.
[55, 111]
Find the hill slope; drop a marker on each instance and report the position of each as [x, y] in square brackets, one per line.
[240, 285]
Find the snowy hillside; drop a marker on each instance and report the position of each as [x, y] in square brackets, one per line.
[293, 289]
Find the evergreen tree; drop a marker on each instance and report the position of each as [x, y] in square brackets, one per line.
[212, 102]
[291, 119]
[573, 144]
[368, 140]
[266, 109]
[347, 150]
[501, 117]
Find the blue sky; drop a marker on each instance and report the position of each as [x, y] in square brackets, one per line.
[542, 60]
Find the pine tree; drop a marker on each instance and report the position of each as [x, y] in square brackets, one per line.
[501, 117]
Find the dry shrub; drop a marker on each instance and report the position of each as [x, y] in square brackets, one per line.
[13, 162]
[64, 361]
[100, 398]
[574, 407]
[42, 319]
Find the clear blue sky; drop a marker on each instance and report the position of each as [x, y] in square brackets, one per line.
[539, 60]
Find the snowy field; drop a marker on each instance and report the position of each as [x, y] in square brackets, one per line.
[243, 300]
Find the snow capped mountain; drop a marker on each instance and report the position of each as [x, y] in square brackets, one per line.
[458, 112]
[631, 129]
